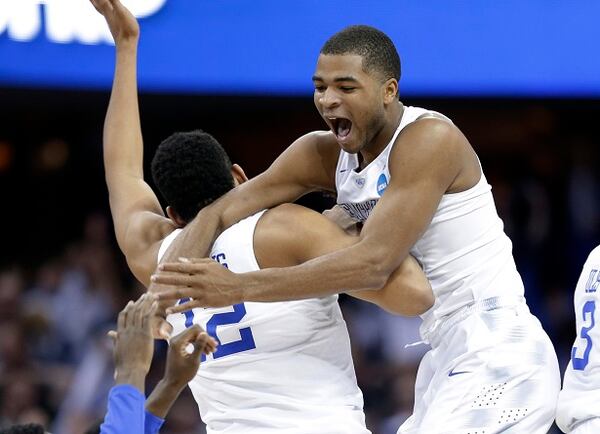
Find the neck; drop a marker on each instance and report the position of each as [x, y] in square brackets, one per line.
[382, 138]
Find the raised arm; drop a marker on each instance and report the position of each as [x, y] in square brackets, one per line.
[137, 215]
[428, 160]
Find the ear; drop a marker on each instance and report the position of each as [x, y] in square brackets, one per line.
[239, 177]
[175, 217]
[390, 91]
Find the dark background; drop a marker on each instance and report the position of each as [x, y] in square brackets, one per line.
[541, 157]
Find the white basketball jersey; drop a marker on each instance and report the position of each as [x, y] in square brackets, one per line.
[280, 367]
[464, 252]
[580, 398]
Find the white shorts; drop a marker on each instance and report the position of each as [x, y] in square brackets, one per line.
[590, 426]
[491, 369]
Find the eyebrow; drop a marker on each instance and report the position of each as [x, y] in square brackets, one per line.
[337, 79]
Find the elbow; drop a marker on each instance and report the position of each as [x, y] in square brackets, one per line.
[377, 271]
[422, 300]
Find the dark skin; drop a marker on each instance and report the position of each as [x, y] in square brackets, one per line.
[430, 158]
[141, 226]
[134, 348]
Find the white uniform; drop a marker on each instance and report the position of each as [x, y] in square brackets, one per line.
[579, 403]
[491, 365]
[280, 367]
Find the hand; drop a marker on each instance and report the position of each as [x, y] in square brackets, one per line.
[207, 282]
[160, 327]
[182, 364]
[122, 24]
[134, 345]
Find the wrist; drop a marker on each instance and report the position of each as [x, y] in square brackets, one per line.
[127, 45]
[243, 288]
[131, 376]
[171, 384]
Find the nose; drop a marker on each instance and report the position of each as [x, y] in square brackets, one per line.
[329, 98]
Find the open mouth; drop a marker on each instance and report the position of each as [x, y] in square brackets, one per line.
[341, 127]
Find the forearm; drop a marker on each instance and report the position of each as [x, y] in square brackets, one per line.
[194, 241]
[345, 270]
[162, 398]
[407, 292]
[123, 145]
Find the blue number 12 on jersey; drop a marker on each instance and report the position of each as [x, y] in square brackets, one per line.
[246, 341]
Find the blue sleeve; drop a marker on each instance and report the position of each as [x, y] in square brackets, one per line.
[125, 414]
[153, 423]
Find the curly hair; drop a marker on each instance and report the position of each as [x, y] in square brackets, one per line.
[375, 47]
[191, 170]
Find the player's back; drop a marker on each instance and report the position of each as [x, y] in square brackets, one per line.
[580, 398]
[280, 367]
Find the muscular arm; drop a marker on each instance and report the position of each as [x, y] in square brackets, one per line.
[290, 235]
[137, 215]
[424, 163]
[427, 161]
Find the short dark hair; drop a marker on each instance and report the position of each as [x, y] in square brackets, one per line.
[191, 170]
[30, 428]
[375, 47]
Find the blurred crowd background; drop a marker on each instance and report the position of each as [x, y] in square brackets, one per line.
[63, 279]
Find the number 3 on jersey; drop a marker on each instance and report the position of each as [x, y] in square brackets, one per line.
[579, 363]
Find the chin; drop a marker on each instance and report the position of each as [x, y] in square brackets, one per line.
[352, 148]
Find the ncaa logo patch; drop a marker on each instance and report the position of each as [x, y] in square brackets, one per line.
[382, 184]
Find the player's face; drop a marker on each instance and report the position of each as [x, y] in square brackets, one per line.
[349, 100]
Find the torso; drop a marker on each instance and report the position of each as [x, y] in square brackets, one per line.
[279, 366]
[464, 252]
[581, 388]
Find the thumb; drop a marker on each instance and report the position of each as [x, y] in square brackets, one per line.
[201, 343]
[164, 330]
[113, 335]
[189, 335]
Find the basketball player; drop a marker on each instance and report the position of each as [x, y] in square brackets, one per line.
[578, 410]
[413, 179]
[280, 367]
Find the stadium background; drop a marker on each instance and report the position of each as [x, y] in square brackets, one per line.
[521, 80]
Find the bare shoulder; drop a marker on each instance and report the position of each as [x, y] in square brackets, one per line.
[290, 234]
[309, 161]
[439, 147]
[323, 144]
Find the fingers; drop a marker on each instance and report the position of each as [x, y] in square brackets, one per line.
[208, 343]
[141, 310]
[184, 307]
[164, 330]
[176, 294]
[102, 6]
[197, 338]
[122, 319]
[113, 335]
[147, 309]
[174, 279]
[204, 344]
[185, 265]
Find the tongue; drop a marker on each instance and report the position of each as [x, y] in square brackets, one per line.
[343, 128]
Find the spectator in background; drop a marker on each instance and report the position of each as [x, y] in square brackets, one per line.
[30, 428]
[134, 347]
